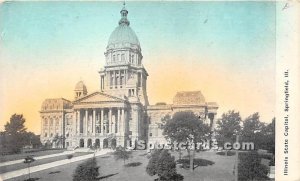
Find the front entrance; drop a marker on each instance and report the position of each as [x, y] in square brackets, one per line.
[113, 143]
[97, 143]
[89, 143]
[105, 143]
[110, 143]
[81, 143]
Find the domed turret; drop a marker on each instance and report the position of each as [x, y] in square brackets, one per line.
[80, 90]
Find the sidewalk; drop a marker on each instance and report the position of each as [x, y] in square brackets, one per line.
[17, 173]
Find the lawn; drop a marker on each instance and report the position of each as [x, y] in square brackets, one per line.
[18, 166]
[219, 169]
[23, 155]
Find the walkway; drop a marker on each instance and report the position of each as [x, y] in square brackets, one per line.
[17, 173]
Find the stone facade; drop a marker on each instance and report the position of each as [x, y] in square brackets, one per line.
[120, 110]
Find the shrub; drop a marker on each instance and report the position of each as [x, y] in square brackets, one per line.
[250, 167]
[163, 165]
[88, 170]
[122, 154]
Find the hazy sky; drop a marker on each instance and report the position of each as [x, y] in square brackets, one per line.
[224, 49]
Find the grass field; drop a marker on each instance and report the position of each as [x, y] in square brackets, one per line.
[38, 162]
[111, 169]
[23, 155]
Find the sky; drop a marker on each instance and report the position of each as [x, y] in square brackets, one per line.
[224, 49]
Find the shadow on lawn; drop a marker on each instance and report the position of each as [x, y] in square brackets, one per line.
[54, 172]
[185, 163]
[107, 176]
[144, 154]
[223, 153]
[32, 179]
[133, 164]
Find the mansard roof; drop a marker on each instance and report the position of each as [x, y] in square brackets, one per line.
[56, 104]
[189, 98]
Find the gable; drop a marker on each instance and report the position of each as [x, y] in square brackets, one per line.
[98, 97]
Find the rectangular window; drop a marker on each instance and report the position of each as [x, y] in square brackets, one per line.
[139, 79]
[111, 79]
[122, 57]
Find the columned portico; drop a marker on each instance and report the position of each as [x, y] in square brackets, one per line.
[100, 120]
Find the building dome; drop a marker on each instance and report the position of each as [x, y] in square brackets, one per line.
[80, 86]
[80, 90]
[123, 36]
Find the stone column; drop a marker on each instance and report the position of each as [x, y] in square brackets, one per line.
[119, 120]
[109, 120]
[86, 121]
[78, 122]
[74, 123]
[102, 119]
[119, 77]
[49, 126]
[94, 122]
[113, 124]
[123, 121]
[125, 77]
[141, 83]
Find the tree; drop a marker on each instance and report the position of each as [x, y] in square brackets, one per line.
[188, 128]
[253, 130]
[227, 127]
[15, 125]
[250, 167]
[151, 168]
[14, 134]
[87, 171]
[163, 165]
[269, 137]
[28, 160]
[122, 153]
[32, 139]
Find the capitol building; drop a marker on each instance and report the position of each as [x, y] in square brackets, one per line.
[119, 111]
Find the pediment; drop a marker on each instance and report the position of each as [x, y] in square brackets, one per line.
[97, 97]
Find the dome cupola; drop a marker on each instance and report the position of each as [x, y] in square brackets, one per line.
[123, 45]
[80, 90]
[123, 36]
